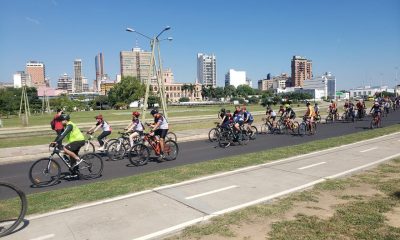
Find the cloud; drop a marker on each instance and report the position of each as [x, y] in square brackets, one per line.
[35, 21]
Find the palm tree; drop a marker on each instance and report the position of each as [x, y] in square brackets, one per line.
[191, 89]
[184, 88]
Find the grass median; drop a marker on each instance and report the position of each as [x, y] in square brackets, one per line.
[68, 197]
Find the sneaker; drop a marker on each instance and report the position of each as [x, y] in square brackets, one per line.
[77, 163]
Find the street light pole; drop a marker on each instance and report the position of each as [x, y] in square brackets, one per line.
[154, 71]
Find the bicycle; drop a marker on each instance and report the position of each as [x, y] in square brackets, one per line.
[89, 145]
[267, 127]
[251, 131]
[360, 114]
[289, 126]
[47, 171]
[229, 135]
[170, 135]
[13, 206]
[331, 117]
[213, 134]
[347, 116]
[307, 126]
[117, 147]
[376, 121]
[140, 153]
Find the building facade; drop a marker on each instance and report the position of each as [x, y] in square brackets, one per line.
[325, 82]
[207, 69]
[85, 84]
[65, 83]
[369, 91]
[265, 84]
[37, 71]
[77, 83]
[280, 81]
[99, 67]
[135, 63]
[105, 87]
[235, 78]
[21, 78]
[301, 71]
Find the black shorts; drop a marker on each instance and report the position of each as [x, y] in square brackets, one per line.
[161, 132]
[75, 146]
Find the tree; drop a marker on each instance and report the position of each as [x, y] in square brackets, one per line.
[152, 100]
[191, 89]
[230, 91]
[128, 90]
[219, 92]
[244, 90]
[184, 99]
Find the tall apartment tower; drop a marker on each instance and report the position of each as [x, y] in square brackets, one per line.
[135, 63]
[207, 69]
[37, 72]
[99, 65]
[22, 79]
[301, 70]
[65, 83]
[77, 84]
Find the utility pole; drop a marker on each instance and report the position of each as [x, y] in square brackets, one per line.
[25, 104]
[45, 103]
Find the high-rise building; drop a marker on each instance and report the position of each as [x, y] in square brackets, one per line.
[235, 78]
[265, 84]
[325, 82]
[99, 65]
[207, 69]
[135, 63]
[85, 84]
[21, 79]
[301, 70]
[65, 83]
[77, 84]
[37, 71]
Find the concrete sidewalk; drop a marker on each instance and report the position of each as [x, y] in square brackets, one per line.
[156, 213]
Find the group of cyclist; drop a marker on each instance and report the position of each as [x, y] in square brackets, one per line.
[68, 130]
[240, 117]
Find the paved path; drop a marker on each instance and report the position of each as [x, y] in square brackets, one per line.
[154, 213]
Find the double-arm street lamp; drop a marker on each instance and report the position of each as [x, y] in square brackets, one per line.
[154, 69]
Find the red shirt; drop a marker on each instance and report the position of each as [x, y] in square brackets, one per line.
[58, 125]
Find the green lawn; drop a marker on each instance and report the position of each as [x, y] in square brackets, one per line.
[68, 197]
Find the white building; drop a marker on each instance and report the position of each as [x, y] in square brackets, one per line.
[21, 78]
[326, 83]
[235, 78]
[369, 91]
[207, 69]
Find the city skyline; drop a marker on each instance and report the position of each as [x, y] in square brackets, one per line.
[357, 41]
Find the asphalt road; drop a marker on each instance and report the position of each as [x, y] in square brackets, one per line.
[192, 152]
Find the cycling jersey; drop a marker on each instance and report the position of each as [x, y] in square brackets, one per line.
[163, 122]
[290, 114]
[104, 125]
[310, 112]
[138, 125]
[72, 133]
[247, 115]
[238, 118]
[376, 109]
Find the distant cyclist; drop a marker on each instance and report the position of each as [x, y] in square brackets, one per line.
[221, 113]
[281, 111]
[310, 114]
[135, 128]
[226, 119]
[289, 115]
[101, 123]
[74, 138]
[238, 119]
[248, 118]
[376, 110]
[271, 116]
[160, 128]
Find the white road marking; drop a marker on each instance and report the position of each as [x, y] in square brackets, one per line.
[369, 149]
[211, 192]
[44, 237]
[310, 166]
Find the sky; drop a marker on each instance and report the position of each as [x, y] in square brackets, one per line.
[357, 40]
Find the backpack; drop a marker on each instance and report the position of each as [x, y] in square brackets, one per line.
[53, 124]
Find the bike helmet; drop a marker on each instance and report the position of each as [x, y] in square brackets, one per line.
[136, 114]
[154, 111]
[287, 106]
[64, 117]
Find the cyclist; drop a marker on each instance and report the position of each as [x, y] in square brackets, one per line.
[100, 123]
[74, 138]
[248, 118]
[316, 109]
[226, 119]
[376, 110]
[237, 110]
[360, 108]
[221, 113]
[310, 114]
[281, 111]
[58, 126]
[271, 115]
[351, 110]
[159, 128]
[333, 109]
[386, 106]
[290, 115]
[238, 119]
[135, 128]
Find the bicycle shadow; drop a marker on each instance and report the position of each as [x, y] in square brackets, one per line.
[25, 223]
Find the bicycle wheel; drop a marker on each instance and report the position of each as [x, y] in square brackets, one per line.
[116, 150]
[263, 129]
[213, 134]
[171, 136]
[302, 129]
[224, 139]
[91, 166]
[313, 129]
[13, 206]
[243, 137]
[329, 119]
[139, 155]
[281, 128]
[44, 172]
[253, 132]
[295, 127]
[87, 148]
[171, 150]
